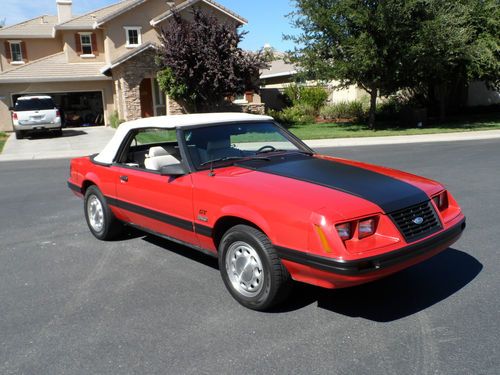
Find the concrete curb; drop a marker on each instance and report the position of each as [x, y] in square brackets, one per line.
[315, 143]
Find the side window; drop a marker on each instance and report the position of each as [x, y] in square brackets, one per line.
[133, 36]
[16, 53]
[151, 149]
[86, 43]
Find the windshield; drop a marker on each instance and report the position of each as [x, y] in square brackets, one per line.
[235, 141]
[34, 104]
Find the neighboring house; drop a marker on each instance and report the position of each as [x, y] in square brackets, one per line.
[93, 64]
[280, 73]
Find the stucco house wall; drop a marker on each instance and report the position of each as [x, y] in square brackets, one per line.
[36, 49]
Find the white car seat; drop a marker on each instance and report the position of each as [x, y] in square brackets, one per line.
[158, 157]
[156, 151]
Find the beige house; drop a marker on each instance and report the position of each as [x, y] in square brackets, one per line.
[93, 64]
[280, 74]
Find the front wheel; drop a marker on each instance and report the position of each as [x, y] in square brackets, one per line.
[101, 221]
[251, 269]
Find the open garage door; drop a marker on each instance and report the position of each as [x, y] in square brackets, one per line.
[77, 108]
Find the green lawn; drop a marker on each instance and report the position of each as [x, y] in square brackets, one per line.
[350, 130]
[3, 139]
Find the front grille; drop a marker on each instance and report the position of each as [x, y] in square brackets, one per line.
[412, 231]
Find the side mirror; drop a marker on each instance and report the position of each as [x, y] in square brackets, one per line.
[173, 170]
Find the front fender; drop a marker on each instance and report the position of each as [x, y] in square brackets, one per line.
[248, 214]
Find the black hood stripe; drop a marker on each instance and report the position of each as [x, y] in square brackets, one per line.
[386, 192]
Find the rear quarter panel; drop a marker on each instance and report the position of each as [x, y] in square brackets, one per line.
[84, 172]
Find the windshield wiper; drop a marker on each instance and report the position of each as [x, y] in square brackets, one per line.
[225, 158]
[280, 150]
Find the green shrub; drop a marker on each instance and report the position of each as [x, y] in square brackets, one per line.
[314, 97]
[298, 114]
[115, 120]
[343, 110]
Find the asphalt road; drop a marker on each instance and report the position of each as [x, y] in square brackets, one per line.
[70, 304]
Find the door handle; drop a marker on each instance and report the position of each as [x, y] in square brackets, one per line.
[124, 178]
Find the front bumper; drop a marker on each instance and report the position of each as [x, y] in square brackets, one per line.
[370, 265]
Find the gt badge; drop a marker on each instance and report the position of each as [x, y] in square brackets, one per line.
[201, 216]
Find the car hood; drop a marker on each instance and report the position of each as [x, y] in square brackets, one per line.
[390, 190]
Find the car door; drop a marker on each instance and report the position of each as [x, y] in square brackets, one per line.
[161, 204]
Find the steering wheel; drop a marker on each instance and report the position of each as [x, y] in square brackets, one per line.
[266, 147]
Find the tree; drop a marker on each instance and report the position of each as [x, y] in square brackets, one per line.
[201, 63]
[385, 46]
[354, 41]
[456, 42]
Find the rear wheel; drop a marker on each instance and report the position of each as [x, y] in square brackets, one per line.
[101, 221]
[19, 134]
[251, 269]
[59, 132]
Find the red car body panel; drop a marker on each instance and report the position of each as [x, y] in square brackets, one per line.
[299, 217]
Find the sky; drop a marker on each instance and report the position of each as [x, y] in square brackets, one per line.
[267, 20]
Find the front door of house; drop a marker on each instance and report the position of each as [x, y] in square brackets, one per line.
[146, 93]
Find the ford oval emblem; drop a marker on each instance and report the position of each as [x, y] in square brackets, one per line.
[418, 220]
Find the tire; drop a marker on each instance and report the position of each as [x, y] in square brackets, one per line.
[59, 132]
[101, 221]
[19, 134]
[263, 281]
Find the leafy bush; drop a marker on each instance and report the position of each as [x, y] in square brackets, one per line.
[115, 120]
[343, 110]
[390, 108]
[298, 114]
[314, 97]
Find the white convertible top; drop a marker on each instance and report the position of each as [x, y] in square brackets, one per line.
[170, 122]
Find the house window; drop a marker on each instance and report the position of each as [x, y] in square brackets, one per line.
[16, 51]
[240, 99]
[86, 43]
[133, 35]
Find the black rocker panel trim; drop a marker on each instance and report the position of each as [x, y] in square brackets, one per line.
[161, 235]
[203, 230]
[371, 264]
[386, 192]
[160, 216]
[74, 187]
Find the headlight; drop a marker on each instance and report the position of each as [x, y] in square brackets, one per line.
[365, 227]
[441, 201]
[344, 231]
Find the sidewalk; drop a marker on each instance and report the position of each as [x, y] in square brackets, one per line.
[399, 139]
[86, 141]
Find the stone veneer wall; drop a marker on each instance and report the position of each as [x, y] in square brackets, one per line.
[128, 77]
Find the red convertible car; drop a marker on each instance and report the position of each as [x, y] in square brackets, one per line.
[242, 188]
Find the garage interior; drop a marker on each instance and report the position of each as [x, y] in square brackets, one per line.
[77, 108]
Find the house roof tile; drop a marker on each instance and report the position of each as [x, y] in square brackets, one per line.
[155, 21]
[97, 17]
[41, 27]
[54, 68]
[278, 68]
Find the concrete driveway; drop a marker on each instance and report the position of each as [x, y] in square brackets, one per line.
[74, 142]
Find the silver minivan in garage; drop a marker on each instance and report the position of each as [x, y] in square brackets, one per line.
[35, 113]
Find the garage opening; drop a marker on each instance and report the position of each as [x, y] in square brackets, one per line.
[77, 108]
